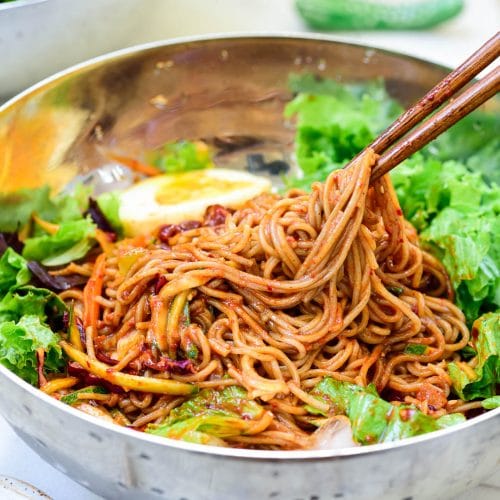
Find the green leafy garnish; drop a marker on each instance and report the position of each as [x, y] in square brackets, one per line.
[19, 342]
[374, 420]
[468, 352]
[181, 156]
[72, 397]
[13, 270]
[71, 242]
[475, 141]
[415, 349]
[17, 207]
[458, 215]
[395, 290]
[334, 122]
[26, 300]
[491, 403]
[210, 416]
[487, 370]
[109, 203]
[74, 237]
[24, 310]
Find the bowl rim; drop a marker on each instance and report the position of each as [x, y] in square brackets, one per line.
[261, 455]
[19, 4]
[236, 453]
[229, 36]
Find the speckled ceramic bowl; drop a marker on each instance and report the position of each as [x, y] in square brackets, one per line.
[232, 89]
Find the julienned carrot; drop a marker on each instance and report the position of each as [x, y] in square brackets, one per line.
[125, 380]
[49, 227]
[93, 289]
[74, 332]
[103, 239]
[134, 164]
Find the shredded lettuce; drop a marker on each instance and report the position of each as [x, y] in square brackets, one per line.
[487, 369]
[181, 156]
[458, 216]
[374, 420]
[72, 397]
[334, 122]
[109, 203]
[491, 403]
[17, 207]
[415, 349]
[24, 313]
[19, 342]
[74, 237]
[26, 300]
[71, 242]
[210, 416]
[474, 141]
[13, 271]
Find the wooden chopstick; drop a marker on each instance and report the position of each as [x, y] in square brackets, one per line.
[447, 87]
[450, 113]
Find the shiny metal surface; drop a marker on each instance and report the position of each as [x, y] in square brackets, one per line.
[226, 90]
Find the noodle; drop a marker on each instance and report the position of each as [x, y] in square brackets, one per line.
[289, 290]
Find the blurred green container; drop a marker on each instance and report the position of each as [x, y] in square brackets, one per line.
[377, 14]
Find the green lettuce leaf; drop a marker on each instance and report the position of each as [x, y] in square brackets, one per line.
[415, 349]
[29, 300]
[71, 242]
[109, 203]
[210, 416]
[488, 362]
[72, 397]
[475, 141]
[24, 309]
[334, 122]
[181, 156]
[17, 207]
[13, 270]
[374, 420]
[458, 216]
[491, 403]
[19, 342]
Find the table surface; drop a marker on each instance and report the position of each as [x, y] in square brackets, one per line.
[447, 45]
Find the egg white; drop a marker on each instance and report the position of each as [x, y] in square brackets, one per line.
[174, 198]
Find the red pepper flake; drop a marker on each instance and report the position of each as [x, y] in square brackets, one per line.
[182, 367]
[474, 332]
[189, 225]
[399, 211]
[435, 397]
[40, 361]
[159, 284]
[167, 231]
[215, 215]
[105, 358]
[406, 414]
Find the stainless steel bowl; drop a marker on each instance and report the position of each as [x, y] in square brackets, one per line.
[232, 89]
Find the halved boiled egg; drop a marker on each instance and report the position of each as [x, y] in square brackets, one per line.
[175, 198]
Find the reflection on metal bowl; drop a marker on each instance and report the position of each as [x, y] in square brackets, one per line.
[229, 90]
